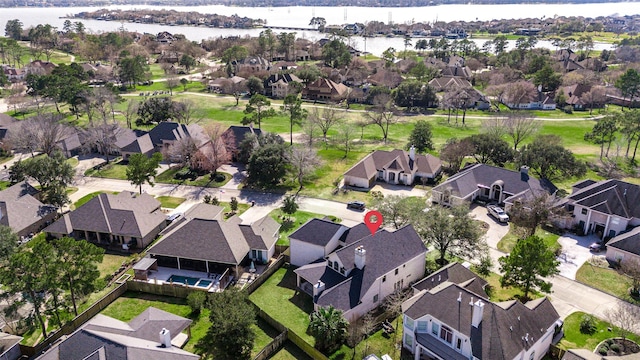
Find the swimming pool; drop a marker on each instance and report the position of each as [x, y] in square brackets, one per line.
[204, 283]
[183, 280]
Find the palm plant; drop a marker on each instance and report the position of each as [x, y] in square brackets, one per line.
[329, 327]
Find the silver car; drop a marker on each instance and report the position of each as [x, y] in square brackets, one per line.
[498, 213]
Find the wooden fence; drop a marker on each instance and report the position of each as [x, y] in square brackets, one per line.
[249, 288]
[272, 347]
[74, 324]
[175, 290]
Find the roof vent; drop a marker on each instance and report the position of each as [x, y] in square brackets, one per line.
[510, 328]
[460, 297]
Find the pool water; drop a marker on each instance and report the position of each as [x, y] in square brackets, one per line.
[204, 283]
[183, 280]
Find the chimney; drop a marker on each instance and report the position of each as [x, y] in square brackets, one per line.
[412, 153]
[478, 308]
[524, 173]
[165, 338]
[361, 257]
[318, 288]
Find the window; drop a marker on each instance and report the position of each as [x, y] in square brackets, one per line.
[335, 265]
[446, 334]
[396, 271]
[533, 356]
[408, 340]
[435, 329]
[342, 270]
[384, 278]
[375, 298]
[458, 343]
[584, 211]
[422, 326]
[408, 322]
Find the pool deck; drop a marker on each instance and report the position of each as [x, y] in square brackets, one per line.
[162, 275]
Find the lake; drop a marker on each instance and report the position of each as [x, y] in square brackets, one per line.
[299, 16]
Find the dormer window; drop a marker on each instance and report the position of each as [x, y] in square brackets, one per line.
[342, 270]
[335, 265]
[396, 271]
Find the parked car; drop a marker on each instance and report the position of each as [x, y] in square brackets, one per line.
[498, 213]
[596, 247]
[356, 205]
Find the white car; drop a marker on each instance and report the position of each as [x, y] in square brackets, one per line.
[498, 213]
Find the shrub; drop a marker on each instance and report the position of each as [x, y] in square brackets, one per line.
[207, 199]
[588, 324]
[603, 350]
[485, 265]
[196, 301]
[615, 347]
[219, 178]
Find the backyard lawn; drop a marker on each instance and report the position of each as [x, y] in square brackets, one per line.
[279, 298]
[170, 201]
[573, 338]
[378, 343]
[604, 279]
[132, 304]
[290, 352]
[289, 225]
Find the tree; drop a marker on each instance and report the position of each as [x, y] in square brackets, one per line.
[499, 44]
[398, 211]
[267, 165]
[454, 151]
[133, 70]
[325, 119]
[53, 173]
[393, 306]
[491, 149]
[528, 264]
[233, 204]
[329, 327]
[217, 152]
[181, 151]
[79, 261]
[595, 97]
[547, 78]
[304, 161]
[519, 126]
[292, 105]
[41, 132]
[389, 56]
[267, 43]
[381, 114]
[420, 136]
[233, 54]
[231, 335]
[451, 231]
[308, 74]
[629, 84]
[550, 160]
[102, 137]
[414, 94]
[13, 29]
[171, 83]
[289, 205]
[336, 54]
[184, 82]
[286, 42]
[188, 62]
[8, 244]
[345, 136]
[186, 112]
[631, 268]
[258, 108]
[529, 214]
[155, 110]
[630, 127]
[141, 169]
[604, 132]
[624, 317]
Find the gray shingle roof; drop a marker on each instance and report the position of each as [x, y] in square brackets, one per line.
[468, 180]
[126, 214]
[503, 326]
[141, 145]
[19, 209]
[368, 167]
[629, 241]
[612, 197]
[316, 232]
[454, 273]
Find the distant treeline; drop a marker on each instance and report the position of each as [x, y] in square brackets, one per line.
[276, 3]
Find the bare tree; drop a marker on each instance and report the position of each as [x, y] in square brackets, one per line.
[367, 325]
[304, 161]
[130, 112]
[519, 126]
[454, 152]
[325, 119]
[42, 132]
[393, 306]
[309, 128]
[217, 151]
[595, 96]
[532, 212]
[493, 126]
[171, 83]
[631, 268]
[345, 137]
[382, 114]
[186, 112]
[102, 138]
[625, 317]
[520, 92]
[181, 151]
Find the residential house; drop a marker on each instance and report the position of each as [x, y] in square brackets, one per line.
[162, 137]
[224, 85]
[169, 57]
[22, 211]
[165, 37]
[393, 167]
[489, 183]
[277, 85]
[10, 346]
[39, 67]
[386, 78]
[6, 124]
[445, 83]
[325, 90]
[235, 135]
[126, 220]
[452, 318]
[605, 208]
[463, 72]
[139, 145]
[13, 74]
[252, 64]
[202, 241]
[569, 60]
[625, 247]
[536, 100]
[362, 270]
[126, 137]
[70, 145]
[574, 96]
[154, 334]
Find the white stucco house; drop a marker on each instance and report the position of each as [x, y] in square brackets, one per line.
[625, 247]
[450, 318]
[361, 270]
[489, 183]
[397, 167]
[605, 208]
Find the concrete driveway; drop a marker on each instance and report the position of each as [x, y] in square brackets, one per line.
[575, 252]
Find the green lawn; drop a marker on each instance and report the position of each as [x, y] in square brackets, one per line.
[289, 225]
[168, 177]
[507, 243]
[290, 352]
[378, 343]
[73, 161]
[604, 279]
[170, 201]
[497, 293]
[83, 200]
[242, 207]
[115, 170]
[573, 338]
[279, 298]
[111, 263]
[132, 304]
[4, 184]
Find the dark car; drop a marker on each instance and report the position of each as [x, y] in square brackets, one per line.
[356, 205]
